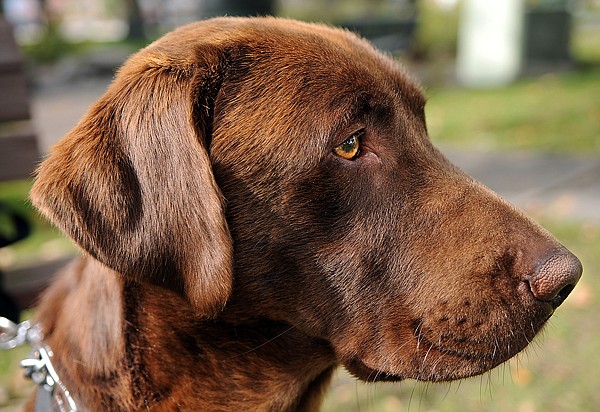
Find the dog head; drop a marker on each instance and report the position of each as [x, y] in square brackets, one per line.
[283, 170]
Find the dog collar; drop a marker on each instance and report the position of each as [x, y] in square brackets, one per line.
[51, 394]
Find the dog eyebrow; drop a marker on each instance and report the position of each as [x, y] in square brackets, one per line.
[361, 108]
[346, 110]
[367, 108]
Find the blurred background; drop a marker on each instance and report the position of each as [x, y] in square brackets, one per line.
[514, 99]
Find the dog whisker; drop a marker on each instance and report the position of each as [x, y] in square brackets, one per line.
[279, 335]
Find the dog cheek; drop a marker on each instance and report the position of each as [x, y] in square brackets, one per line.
[357, 274]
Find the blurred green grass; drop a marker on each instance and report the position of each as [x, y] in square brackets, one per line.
[557, 113]
[44, 243]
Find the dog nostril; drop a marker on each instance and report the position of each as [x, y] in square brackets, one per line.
[562, 295]
[555, 278]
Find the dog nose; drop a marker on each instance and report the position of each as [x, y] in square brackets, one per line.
[555, 277]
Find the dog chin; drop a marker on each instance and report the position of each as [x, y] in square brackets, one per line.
[455, 367]
[360, 370]
[357, 368]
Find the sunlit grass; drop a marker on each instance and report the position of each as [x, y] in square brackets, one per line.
[553, 113]
[45, 242]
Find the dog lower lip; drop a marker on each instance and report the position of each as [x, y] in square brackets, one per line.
[357, 368]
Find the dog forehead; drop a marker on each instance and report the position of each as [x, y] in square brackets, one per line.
[333, 70]
[291, 84]
[291, 57]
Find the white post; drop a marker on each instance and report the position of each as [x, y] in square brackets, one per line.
[490, 42]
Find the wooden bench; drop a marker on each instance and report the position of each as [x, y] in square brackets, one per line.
[19, 155]
[18, 145]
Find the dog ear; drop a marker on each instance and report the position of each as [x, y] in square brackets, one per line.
[132, 183]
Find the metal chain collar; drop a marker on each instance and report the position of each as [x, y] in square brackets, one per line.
[13, 335]
[38, 367]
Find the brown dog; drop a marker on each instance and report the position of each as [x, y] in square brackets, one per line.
[258, 202]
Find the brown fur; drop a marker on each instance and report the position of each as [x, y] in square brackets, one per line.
[232, 260]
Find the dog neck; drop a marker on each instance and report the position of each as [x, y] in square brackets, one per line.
[144, 344]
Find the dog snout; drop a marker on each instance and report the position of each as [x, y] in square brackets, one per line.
[555, 277]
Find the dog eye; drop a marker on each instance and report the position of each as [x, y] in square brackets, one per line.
[350, 148]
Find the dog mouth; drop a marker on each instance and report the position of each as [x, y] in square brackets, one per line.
[434, 363]
[444, 354]
[437, 365]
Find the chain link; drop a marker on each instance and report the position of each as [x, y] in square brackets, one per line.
[39, 369]
[13, 335]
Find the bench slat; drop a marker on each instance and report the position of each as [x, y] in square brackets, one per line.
[10, 57]
[18, 155]
[14, 97]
